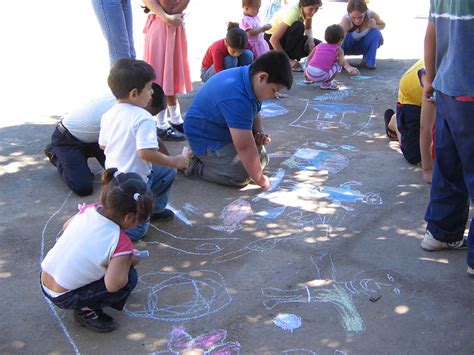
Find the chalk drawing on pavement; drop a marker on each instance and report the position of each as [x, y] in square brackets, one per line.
[314, 159]
[178, 296]
[232, 216]
[272, 109]
[212, 343]
[335, 118]
[288, 322]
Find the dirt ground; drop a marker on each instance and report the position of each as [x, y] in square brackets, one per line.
[326, 262]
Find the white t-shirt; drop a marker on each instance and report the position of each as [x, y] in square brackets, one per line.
[82, 253]
[84, 122]
[124, 130]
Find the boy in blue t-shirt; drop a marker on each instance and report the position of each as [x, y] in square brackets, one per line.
[223, 125]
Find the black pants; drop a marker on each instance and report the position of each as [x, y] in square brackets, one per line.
[71, 156]
[294, 41]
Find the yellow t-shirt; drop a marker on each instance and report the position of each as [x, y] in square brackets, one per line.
[288, 15]
[410, 91]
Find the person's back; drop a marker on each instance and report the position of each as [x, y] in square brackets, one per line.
[410, 90]
[325, 56]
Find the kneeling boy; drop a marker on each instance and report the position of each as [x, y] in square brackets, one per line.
[223, 124]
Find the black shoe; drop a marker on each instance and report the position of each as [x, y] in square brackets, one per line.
[48, 151]
[97, 321]
[178, 127]
[163, 216]
[170, 134]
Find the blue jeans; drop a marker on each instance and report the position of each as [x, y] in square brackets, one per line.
[115, 19]
[95, 295]
[245, 58]
[71, 161]
[367, 45]
[159, 181]
[453, 174]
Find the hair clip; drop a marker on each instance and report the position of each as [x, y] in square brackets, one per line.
[136, 196]
[117, 173]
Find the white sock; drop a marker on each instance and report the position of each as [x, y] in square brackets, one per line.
[175, 114]
[162, 122]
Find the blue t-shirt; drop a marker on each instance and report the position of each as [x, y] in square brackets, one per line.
[454, 24]
[227, 100]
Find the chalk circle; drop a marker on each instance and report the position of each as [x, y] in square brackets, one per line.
[178, 296]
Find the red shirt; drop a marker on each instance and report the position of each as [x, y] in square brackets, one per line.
[215, 55]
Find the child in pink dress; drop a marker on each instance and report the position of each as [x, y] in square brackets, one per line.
[327, 59]
[166, 51]
[251, 24]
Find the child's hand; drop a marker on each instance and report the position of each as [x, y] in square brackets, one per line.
[371, 23]
[265, 183]
[262, 138]
[182, 160]
[352, 70]
[134, 259]
[175, 20]
[266, 27]
[427, 175]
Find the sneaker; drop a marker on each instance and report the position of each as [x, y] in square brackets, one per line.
[429, 243]
[95, 320]
[170, 134]
[178, 127]
[470, 271]
[163, 216]
[48, 151]
[191, 170]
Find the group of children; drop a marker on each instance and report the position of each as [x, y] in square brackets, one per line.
[92, 264]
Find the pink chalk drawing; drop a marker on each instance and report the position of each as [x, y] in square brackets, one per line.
[232, 215]
[212, 343]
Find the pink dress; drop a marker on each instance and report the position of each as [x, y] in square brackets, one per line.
[166, 50]
[257, 43]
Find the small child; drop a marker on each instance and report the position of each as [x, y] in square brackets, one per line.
[230, 52]
[128, 137]
[327, 59]
[250, 23]
[91, 266]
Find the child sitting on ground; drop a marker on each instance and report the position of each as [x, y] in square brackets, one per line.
[128, 137]
[250, 23]
[412, 113]
[327, 59]
[91, 266]
[230, 52]
[223, 124]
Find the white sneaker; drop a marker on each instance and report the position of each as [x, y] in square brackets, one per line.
[429, 243]
[470, 271]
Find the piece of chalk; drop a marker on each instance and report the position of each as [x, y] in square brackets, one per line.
[142, 254]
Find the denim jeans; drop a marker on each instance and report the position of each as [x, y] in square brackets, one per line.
[71, 161]
[245, 58]
[95, 295]
[367, 45]
[115, 19]
[453, 175]
[159, 181]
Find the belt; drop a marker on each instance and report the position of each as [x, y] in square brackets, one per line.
[61, 127]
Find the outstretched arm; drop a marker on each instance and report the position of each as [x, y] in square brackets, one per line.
[244, 143]
[345, 64]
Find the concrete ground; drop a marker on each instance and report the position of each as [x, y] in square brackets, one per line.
[327, 262]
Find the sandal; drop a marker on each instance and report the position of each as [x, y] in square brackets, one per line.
[387, 116]
[329, 85]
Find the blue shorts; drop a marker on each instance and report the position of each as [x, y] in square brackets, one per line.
[408, 123]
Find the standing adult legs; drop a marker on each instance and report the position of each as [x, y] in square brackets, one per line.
[115, 19]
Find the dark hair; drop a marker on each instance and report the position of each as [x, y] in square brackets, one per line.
[304, 3]
[249, 2]
[128, 74]
[124, 193]
[334, 34]
[357, 5]
[236, 38]
[158, 97]
[277, 65]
